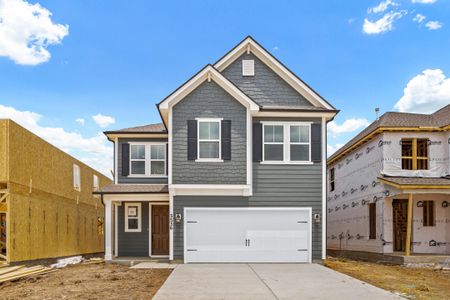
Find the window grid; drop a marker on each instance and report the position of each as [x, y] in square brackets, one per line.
[148, 159]
[209, 140]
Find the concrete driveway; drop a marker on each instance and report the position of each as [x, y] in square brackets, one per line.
[265, 281]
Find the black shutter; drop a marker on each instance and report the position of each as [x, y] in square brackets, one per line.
[316, 142]
[257, 142]
[226, 139]
[192, 140]
[125, 159]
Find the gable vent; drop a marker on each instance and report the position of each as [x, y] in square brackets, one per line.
[248, 67]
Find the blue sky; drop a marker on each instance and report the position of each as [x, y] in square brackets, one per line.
[119, 58]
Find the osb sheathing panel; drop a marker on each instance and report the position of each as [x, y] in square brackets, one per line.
[45, 226]
[39, 164]
[3, 150]
[48, 217]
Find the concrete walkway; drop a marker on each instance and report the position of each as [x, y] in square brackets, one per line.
[265, 281]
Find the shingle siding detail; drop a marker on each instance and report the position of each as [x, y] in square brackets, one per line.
[266, 87]
[209, 100]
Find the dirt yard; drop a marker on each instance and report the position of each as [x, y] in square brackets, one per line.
[88, 281]
[410, 283]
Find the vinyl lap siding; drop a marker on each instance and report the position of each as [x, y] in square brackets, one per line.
[290, 186]
[133, 243]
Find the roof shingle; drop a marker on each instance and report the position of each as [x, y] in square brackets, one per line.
[133, 189]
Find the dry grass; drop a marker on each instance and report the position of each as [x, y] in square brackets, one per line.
[88, 281]
[411, 283]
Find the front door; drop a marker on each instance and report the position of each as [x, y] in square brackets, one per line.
[160, 230]
[400, 215]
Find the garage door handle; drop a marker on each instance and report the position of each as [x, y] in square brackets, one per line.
[302, 249]
[191, 222]
[191, 249]
[302, 222]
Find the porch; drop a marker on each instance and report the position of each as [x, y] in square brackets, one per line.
[136, 223]
[417, 219]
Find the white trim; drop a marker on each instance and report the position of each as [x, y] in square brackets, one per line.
[116, 160]
[108, 231]
[171, 227]
[295, 114]
[139, 216]
[219, 139]
[309, 209]
[114, 136]
[170, 145]
[249, 152]
[286, 143]
[209, 190]
[150, 229]
[136, 197]
[276, 66]
[208, 72]
[148, 160]
[116, 228]
[324, 188]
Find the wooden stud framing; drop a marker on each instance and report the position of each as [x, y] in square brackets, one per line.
[409, 225]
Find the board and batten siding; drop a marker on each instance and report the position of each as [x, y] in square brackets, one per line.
[265, 87]
[133, 243]
[138, 180]
[209, 100]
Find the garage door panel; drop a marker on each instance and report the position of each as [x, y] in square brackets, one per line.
[247, 235]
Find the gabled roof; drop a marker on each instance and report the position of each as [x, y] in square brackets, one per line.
[149, 128]
[207, 73]
[398, 121]
[250, 45]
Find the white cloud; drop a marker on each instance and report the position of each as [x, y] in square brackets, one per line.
[80, 121]
[351, 20]
[425, 93]
[382, 25]
[424, 1]
[419, 18]
[94, 151]
[103, 121]
[382, 6]
[331, 149]
[26, 30]
[275, 48]
[433, 25]
[349, 125]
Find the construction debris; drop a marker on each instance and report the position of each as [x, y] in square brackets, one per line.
[18, 272]
[67, 261]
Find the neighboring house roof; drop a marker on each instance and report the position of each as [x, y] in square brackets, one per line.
[417, 182]
[250, 45]
[149, 128]
[133, 189]
[438, 120]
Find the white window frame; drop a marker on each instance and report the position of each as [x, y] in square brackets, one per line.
[76, 177]
[139, 217]
[148, 160]
[286, 143]
[217, 120]
[95, 183]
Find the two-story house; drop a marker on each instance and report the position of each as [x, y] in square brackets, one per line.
[389, 188]
[234, 173]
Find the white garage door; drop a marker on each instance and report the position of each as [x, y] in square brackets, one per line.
[247, 235]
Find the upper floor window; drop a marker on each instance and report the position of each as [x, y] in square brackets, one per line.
[95, 184]
[76, 177]
[286, 142]
[331, 179]
[414, 154]
[148, 159]
[209, 139]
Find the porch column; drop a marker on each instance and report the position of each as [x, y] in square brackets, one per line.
[409, 224]
[108, 230]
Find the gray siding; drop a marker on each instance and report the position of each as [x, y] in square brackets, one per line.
[126, 179]
[133, 243]
[209, 100]
[266, 87]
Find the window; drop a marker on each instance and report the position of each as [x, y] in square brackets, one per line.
[133, 217]
[372, 221]
[137, 159]
[209, 139]
[414, 154]
[148, 159]
[332, 179]
[287, 143]
[428, 213]
[76, 177]
[95, 183]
